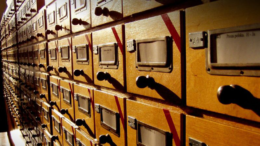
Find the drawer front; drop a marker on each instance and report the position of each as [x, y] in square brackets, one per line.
[84, 139]
[65, 58]
[34, 30]
[43, 50]
[67, 99]
[84, 109]
[44, 84]
[69, 133]
[108, 58]
[157, 75]
[199, 130]
[106, 11]
[222, 84]
[165, 126]
[82, 58]
[63, 26]
[80, 15]
[110, 117]
[51, 19]
[53, 52]
[46, 116]
[35, 6]
[55, 92]
[47, 138]
[40, 24]
[57, 126]
[36, 57]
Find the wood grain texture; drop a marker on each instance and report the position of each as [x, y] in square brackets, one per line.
[83, 14]
[56, 81]
[87, 68]
[155, 117]
[84, 138]
[84, 90]
[55, 63]
[169, 84]
[71, 128]
[66, 62]
[212, 133]
[68, 85]
[117, 75]
[43, 47]
[201, 86]
[114, 12]
[55, 114]
[63, 21]
[108, 101]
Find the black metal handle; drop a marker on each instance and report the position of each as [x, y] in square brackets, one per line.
[103, 76]
[78, 72]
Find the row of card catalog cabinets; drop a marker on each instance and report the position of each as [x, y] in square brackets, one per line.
[86, 116]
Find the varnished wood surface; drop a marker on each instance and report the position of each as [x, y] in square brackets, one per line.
[55, 80]
[49, 9]
[71, 128]
[43, 46]
[54, 63]
[84, 138]
[64, 22]
[55, 114]
[46, 107]
[41, 29]
[36, 60]
[45, 91]
[201, 86]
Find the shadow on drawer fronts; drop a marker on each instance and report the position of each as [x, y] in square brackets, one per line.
[229, 71]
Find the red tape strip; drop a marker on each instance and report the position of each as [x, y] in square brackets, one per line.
[120, 111]
[91, 99]
[172, 127]
[61, 124]
[89, 43]
[91, 143]
[172, 30]
[71, 91]
[69, 44]
[118, 40]
[74, 134]
[58, 85]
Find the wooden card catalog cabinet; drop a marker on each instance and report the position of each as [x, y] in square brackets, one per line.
[153, 58]
[83, 139]
[37, 85]
[46, 116]
[110, 118]
[80, 15]
[55, 92]
[30, 57]
[4, 55]
[43, 56]
[104, 11]
[199, 130]
[69, 132]
[221, 74]
[52, 68]
[67, 99]
[28, 30]
[65, 58]
[36, 57]
[41, 25]
[63, 26]
[34, 30]
[36, 5]
[18, 3]
[84, 108]
[51, 19]
[57, 126]
[44, 83]
[108, 57]
[48, 138]
[82, 58]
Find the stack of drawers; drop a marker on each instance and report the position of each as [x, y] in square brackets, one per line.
[131, 72]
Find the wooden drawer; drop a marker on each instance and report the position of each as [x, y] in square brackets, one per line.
[55, 92]
[37, 87]
[69, 132]
[39, 108]
[36, 57]
[165, 127]
[105, 11]
[30, 57]
[57, 126]
[159, 74]
[109, 72]
[52, 68]
[222, 85]
[43, 58]
[29, 32]
[36, 5]
[48, 2]
[84, 108]
[82, 58]
[67, 99]
[44, 84]
[112, 124]
[63, 26]
[51, 19]
[46, 116]
[84, 139]
[80, 15]
[201, 131]
[65, 58]
[47, 138]
[41, 25]
[34, 30]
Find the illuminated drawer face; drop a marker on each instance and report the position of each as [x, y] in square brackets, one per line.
[65, 58]
[28, 30]
[104, 11]
[198, 131]
[41, 25]
[80, 15]
[154, 57]
[67, 99]
[34, 30]
[30, 57]
[57, 126]
[63, 26]
[44, 78]
[110, 117]
[48, 2]
[55, 92]
[36, 57]
[46, 138]
[83, 139]
[51, 19]
[82, 54]
[225, 72]
[46, 115]
[69, 131]
[52, 68]
[36, 81]
[42, 57]
[35, 6]
[108, 58]
[84, 108]
[143, 125]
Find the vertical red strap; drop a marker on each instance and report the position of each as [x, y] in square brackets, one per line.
[69, 44]
[71, 91]
[91, 143]
[172, 127]
[172, 30]
[74, 134]
[120, 111]
[118, 40]
[61, 125]
[56, 44]
[91, 99]
[89, 43]
[58, 85]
